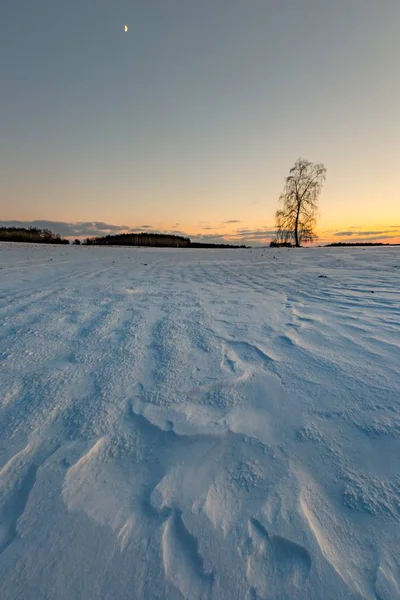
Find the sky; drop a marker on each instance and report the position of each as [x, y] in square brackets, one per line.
[191, 121]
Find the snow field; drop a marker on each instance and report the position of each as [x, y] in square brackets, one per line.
[199, 424]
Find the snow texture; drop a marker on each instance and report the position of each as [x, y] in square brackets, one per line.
[199, 424]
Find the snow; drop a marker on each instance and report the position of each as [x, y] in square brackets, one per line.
[189, 424]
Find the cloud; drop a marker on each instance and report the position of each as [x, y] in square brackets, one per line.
[177, 232]
[172, 232]
[241, 236]
[375, 238]
[144, 227]
[256, 233]
[217, 238]
[65, 229]
[231, 221]
[368, 233]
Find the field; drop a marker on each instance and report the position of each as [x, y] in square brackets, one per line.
[186, 424]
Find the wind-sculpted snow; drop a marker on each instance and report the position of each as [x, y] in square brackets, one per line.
[197, 424]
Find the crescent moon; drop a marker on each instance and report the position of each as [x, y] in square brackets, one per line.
[126, 28]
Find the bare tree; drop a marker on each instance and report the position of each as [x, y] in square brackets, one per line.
[295, 221]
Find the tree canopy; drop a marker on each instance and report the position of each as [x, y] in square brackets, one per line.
[295, 220]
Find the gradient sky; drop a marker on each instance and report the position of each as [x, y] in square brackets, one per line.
[192, 120]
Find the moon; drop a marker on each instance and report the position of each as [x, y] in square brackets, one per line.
[126, 28]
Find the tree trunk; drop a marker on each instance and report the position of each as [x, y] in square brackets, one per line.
[296, 228]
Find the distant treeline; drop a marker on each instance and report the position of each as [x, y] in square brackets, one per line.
[276, 244]
[160, 240]
[202, 245]
[157, 240]
[30, 234]
[340, 244]
[139, 239]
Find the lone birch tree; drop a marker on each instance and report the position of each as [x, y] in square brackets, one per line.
[295, 220]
